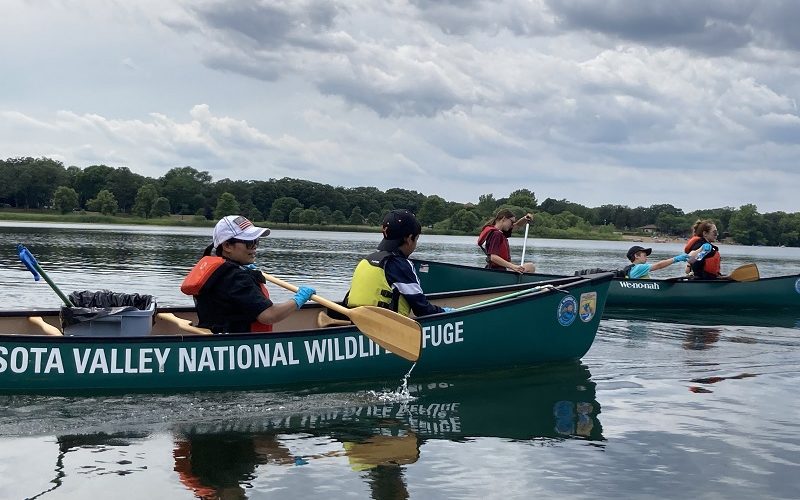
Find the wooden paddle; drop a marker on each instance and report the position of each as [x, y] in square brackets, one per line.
[392, 331]
[745, 272]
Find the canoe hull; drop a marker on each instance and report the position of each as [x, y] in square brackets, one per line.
[531, 329]
[781, 292]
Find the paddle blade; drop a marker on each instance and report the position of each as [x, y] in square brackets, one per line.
[390, 330]
[745, 272]
[29, 260]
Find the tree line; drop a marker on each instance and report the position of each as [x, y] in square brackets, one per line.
[43, 183]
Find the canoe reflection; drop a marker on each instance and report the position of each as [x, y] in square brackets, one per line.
[223, 457]
[547, 404]
[700, 316]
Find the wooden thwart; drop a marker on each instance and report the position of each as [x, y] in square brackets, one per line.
[392, 331]
[183, 324]
[325, 321]
[46, 327]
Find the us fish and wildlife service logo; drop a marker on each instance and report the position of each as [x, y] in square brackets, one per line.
[797, 285]
[567, 310]
[588, 306]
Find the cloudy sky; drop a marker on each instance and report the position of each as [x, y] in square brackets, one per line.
[631, 102]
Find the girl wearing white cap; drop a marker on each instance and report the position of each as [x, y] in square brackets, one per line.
[230, 294]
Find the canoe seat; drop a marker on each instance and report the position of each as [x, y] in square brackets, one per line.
[183, 324]
[44, 326]
[324, 321]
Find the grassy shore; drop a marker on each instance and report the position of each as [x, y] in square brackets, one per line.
[194, 221]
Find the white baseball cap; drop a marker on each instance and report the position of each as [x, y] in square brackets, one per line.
[239, 227]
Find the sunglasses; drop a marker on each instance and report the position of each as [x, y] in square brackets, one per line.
[248, 244]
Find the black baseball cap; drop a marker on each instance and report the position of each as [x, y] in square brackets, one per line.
[396, 226]
[636, 248]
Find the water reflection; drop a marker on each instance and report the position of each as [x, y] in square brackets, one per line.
[698, 339]
[701, 316]
[225, 455]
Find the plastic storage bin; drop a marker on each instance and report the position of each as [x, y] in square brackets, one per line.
[108, 314]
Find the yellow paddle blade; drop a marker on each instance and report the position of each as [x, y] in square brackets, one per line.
[745, 272]
[390, 330]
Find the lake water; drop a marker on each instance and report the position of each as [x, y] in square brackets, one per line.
[654, 410]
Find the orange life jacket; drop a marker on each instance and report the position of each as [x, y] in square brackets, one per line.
[205, 268]
[711, 263]
[504, 252]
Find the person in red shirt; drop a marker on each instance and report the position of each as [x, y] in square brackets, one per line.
[494, 241]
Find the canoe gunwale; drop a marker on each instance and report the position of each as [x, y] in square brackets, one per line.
[561, 285]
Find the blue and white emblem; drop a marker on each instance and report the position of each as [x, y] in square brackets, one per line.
[567, 310]
[797, 285]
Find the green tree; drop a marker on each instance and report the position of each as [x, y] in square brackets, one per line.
[226, 205]
[182, 185]
[433, 210]
[105, 203]
[294, 215]
[324, 214]
[309, 216]
[464, 220]
[338, 218]
[486, 205]
[124, 185]
[145, 196]
[65, 199]
[160, 207]
[373, 219]
[356, 218]
[282, 208]
[91, 180]
[31, 183]
[747, 226]
[522, 198]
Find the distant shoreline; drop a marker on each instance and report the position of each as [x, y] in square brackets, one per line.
[193, 221]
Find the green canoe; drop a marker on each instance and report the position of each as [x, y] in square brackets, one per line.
[549, 323]
[766, 294]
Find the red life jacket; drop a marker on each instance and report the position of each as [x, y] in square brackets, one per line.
[202, 271]
[711, 263]
[504, 252]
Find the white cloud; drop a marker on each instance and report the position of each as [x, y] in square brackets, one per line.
[572, 99]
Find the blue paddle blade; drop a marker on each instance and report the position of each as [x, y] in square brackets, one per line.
[29, 260]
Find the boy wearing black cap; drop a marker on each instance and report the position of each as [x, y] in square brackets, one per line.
[386, 278]
[640, 269]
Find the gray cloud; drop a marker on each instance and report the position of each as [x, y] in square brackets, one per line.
[444, 97]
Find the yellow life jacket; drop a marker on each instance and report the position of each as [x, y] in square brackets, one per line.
[370, 288]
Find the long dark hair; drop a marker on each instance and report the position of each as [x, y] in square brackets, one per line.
[503, 213]
[217, 251]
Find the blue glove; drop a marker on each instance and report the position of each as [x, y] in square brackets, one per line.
[706, 247]
[449, 309]
[680, 258]
[302, 295]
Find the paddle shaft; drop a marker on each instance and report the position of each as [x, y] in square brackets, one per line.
[64, 298]
[498, 299]
[524, 243]
[316, 298]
